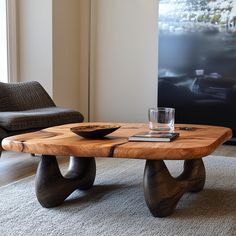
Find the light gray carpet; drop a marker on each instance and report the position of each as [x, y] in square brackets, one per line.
[115, 205]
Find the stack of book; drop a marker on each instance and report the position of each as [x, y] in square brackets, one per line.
[154, 137]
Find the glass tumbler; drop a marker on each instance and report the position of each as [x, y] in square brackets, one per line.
[161, 119]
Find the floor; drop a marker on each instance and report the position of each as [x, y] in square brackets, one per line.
[15, 166]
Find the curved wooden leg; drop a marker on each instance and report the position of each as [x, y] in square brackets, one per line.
[162, 192]
[52, 188]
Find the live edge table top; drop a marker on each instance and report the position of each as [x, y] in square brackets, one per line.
[59, 140]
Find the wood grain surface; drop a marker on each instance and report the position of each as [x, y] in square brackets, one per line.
[59, 140]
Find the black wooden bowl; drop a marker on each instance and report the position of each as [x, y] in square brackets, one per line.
[94, 131]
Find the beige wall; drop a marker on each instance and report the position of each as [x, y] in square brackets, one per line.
[124, 65]
[35, 41]
[66, 53]
[53, 48]
[84, 59]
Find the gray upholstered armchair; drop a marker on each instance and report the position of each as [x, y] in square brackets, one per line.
[26, 107]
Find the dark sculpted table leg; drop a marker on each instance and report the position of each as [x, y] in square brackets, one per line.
[52, 188]
[162, 192]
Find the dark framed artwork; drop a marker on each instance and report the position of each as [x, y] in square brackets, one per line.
[197, 60]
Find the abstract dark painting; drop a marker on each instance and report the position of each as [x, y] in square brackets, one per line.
[197, 60]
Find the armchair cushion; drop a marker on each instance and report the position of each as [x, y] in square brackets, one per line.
[38, 118]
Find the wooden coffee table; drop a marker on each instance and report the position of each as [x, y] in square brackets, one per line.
[162, 191]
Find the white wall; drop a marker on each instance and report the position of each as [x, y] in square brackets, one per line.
[35, 42]
[124, 59]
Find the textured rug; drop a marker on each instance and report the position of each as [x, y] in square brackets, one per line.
[116, 206]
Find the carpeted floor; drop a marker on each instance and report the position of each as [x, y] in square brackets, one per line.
[116, 206]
